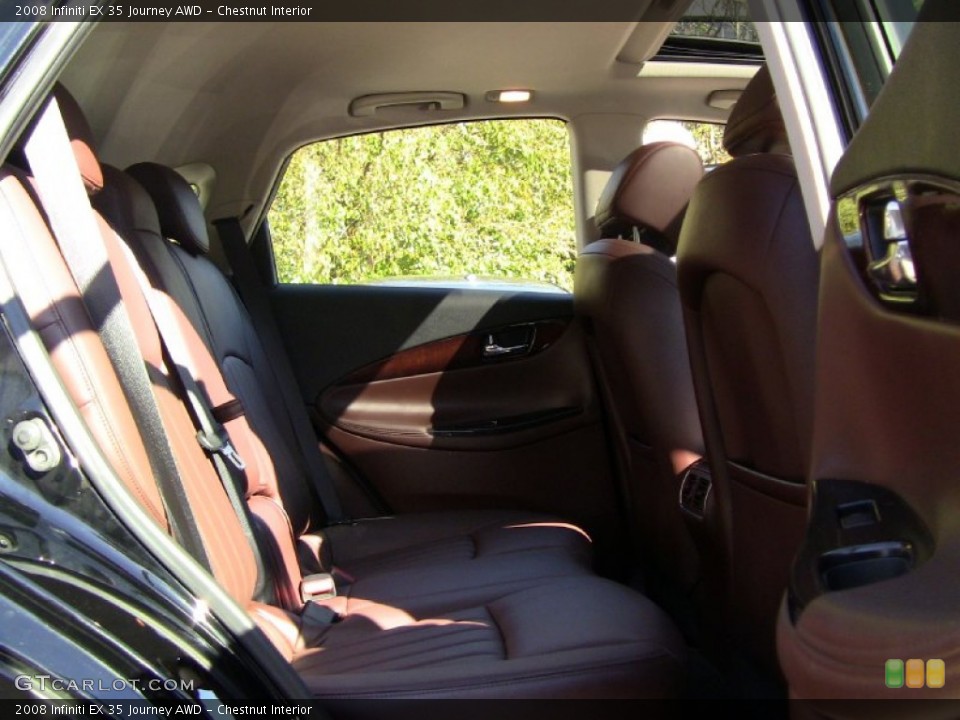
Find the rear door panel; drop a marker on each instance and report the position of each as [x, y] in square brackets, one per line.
[335, 330]
[421, 392]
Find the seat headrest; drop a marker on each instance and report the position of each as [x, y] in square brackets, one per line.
[755, 124]
[181, 216]
[81, 139]
[125, 204]
[649, 190]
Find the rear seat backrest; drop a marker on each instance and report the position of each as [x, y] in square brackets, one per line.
[230, 336]
[56, 310]
[132, 215]
[414, 562]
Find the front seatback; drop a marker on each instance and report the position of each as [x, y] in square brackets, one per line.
[57, 311]
[626, 292]
[748, 274]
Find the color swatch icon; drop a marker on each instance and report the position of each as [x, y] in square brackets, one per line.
[893, 672]
[914, 673]
[936, 673]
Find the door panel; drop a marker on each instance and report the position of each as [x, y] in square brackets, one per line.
[335, 330]
[541, 393]
[446, 399]
[876, 576]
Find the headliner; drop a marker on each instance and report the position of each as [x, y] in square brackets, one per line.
[242, 96]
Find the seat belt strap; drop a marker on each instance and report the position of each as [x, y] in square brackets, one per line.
[65, 201]
[254, 297]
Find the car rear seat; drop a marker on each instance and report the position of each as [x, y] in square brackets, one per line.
[579, 636]
[420, 562]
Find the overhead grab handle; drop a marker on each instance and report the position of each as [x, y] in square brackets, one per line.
[367, 105]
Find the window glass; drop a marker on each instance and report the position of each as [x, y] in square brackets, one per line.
[14, 37]
[867, 38]
[706, 138]
[897, 19]
[445, 204]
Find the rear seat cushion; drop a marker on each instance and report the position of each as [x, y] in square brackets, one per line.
[571, 638]
[402, 540]
[432, 561]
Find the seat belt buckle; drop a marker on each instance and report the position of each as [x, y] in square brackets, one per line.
[319, 586]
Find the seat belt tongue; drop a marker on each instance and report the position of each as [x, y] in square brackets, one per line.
[319, 586]
[231, 454]
[218, 442]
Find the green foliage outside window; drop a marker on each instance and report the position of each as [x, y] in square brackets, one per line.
[491, 199]
[704, 137]
[709, 139]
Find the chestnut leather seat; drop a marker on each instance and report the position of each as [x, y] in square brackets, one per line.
[574, 635]
[418, 562]
[626, 291]
[748, 274]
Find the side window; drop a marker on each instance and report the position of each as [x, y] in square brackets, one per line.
[863, 41]
[464, 204]
[704, 137]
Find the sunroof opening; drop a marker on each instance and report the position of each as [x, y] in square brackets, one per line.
[717, 20]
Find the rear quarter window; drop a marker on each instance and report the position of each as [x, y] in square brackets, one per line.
[704, 137]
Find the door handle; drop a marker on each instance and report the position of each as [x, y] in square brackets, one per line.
[511, 342]
[493, 349]
[893, 271]
[901, 233]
